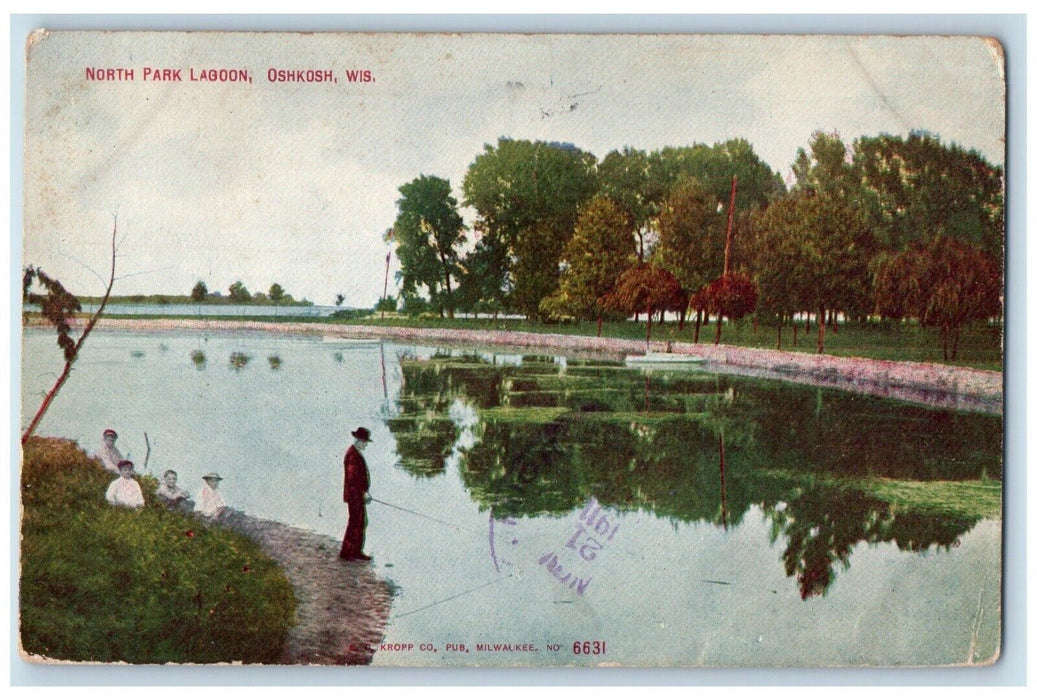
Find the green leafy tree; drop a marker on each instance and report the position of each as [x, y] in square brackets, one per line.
[918, 189]
[276, 293]
[944, 283]
[527, 196]
[827, 168]
[716, 165]
[239, 293]
[535, 278]
[827, 171]
[486, 286]
[782, 292]
[811, 254]
[428, 232]
[691, 238]
[199, 291]
[635, 181]
[386, 304]
[601, 248]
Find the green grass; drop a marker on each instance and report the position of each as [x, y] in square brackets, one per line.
[105, 584]
[979, 346]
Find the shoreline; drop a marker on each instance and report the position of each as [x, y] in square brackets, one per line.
[940, 386]
[342, 607]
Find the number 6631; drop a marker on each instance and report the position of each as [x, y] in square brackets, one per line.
[589, 648]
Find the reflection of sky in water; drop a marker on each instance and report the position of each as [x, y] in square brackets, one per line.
[465, 418]
[663, 591]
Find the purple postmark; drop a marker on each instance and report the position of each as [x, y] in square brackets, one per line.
[594, 531]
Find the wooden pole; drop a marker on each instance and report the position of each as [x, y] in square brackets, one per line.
[730, 226]
[723, 481]
[385, 287]
[727, 250]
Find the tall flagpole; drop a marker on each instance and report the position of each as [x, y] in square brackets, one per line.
[385, 287]
[730, 225]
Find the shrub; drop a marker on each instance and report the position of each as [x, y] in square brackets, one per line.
[350, 314]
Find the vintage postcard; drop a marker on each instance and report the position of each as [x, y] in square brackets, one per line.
[512, 350]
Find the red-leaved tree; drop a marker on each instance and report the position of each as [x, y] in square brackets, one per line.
[732, 295]
[647, 288]
[944, 283]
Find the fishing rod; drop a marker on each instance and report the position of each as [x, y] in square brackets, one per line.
[422, 515]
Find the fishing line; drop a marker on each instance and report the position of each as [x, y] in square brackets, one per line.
[456, 595]
[427, 517]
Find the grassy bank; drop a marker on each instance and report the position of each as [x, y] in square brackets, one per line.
[103, 584]
[979, 346]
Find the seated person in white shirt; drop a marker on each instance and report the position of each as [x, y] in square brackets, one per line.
[172, 495]
[210, 502]
[109, 454]
[125, 491]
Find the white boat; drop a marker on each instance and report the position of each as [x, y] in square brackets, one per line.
[342, 340]
[663, 358]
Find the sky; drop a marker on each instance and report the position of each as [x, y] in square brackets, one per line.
[296, 183]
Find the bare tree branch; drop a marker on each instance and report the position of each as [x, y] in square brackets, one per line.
[49, 398]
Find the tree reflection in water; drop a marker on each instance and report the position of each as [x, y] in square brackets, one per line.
[545, 437]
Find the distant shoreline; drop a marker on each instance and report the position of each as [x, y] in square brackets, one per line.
[942, 386]
[177, 300]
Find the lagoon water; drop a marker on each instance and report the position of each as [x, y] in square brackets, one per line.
[538, 502]
[204, 310]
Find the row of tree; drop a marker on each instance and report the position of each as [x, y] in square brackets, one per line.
[890, 226]
[238, 294]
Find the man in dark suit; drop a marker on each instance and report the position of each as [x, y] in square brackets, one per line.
[354, 493]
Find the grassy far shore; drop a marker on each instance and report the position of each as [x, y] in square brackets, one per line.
[979, 346]
[105, 584]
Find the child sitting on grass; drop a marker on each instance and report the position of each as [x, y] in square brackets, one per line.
[210, 502]
[125, 491]
[172, 495]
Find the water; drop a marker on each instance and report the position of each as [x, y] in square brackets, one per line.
[204, 310]
[566, 501]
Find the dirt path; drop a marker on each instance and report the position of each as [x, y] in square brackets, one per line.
[342, 606]
[936, 385]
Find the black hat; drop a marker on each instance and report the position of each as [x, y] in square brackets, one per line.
[125, 463]
[362, 434]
